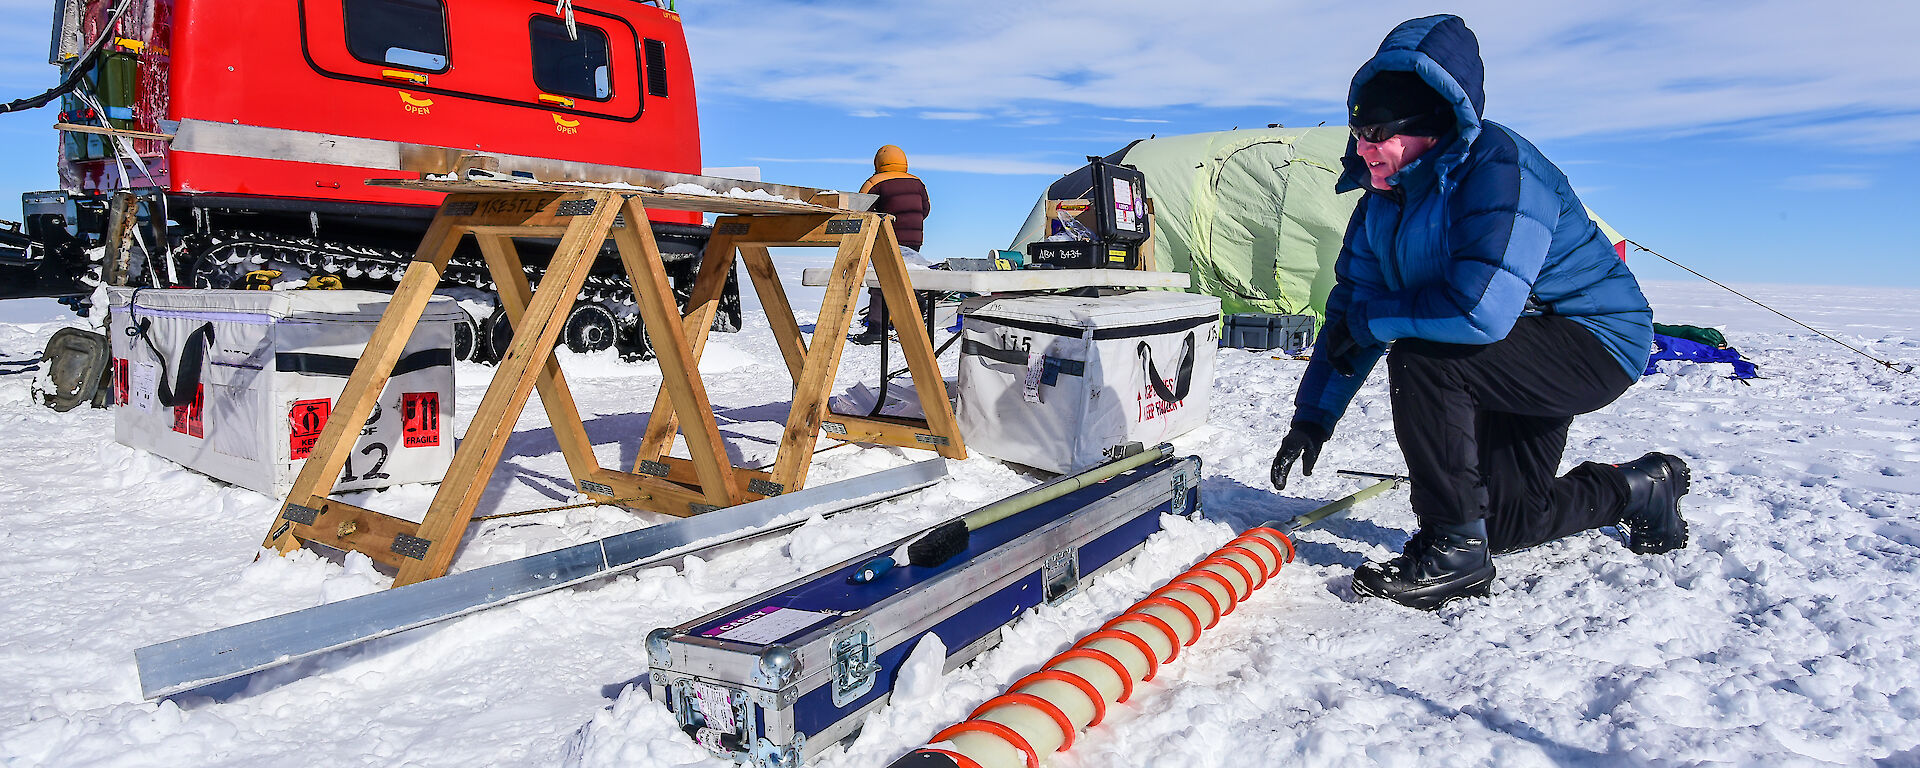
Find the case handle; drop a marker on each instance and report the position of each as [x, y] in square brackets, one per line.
[186, 383]
[1183, 382]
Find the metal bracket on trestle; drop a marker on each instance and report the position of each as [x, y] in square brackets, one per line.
[589, 486]
[576, 207]
[843, 227]
[410, 546]
[765, 487]
[655, 468]
[301, 514]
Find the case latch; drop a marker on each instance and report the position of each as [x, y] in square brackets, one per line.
[854, 668]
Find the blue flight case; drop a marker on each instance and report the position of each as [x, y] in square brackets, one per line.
[772, 680]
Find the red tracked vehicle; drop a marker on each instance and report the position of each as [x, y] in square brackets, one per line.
[205, 139]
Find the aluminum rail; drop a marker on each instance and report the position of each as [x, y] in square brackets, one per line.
[197, 661]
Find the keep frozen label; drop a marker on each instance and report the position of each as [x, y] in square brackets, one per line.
[766, 625]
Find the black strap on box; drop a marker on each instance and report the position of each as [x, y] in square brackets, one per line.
[1183, 382]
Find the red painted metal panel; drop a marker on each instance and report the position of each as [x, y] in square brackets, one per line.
[286, 65]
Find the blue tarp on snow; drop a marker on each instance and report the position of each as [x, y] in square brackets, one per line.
[1672, 348]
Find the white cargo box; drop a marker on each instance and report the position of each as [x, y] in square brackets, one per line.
[237, 384]
[1059, 382]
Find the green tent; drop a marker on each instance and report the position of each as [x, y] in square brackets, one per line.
[1251, 214]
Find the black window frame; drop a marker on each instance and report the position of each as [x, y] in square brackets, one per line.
[446, 37]
[584, 29]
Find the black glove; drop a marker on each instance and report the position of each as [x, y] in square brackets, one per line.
[1336, 341]
[1302, 441]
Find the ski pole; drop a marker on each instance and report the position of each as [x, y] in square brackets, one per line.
[1386, 483]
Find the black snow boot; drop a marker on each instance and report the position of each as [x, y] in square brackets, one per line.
[1438, 564]
[1651, 520]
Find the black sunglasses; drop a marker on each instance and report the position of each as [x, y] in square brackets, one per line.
[1379, 132]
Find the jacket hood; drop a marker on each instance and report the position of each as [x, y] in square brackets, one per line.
[890, 159]
[1446, 55]
[888, 164]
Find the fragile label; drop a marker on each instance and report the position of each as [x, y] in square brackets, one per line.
[1036, 369]
[717, 705]
[143, 387]
[420, 419]
[187, 419]
[120, 380]
[305, 419]
[766, 625]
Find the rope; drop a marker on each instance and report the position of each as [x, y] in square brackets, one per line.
[80, 67]
[556, 509]
[1892, 366]
[565, 8]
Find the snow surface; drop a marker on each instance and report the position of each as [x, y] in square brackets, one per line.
[1784, 635]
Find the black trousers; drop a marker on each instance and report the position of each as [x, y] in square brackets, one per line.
[1483, 428]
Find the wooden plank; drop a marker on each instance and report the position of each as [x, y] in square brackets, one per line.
[362, 391]
[679, 371]
[702, 305]
[108, 131]
[498, 210]
[773, 297]
[915, 343]
[555, 397]
[653, 494]
[683, 471]
[791, 230]
[665, 201]
[513, 380]
[349, 528]
[882, 430]
[815, 383]
[519, 230]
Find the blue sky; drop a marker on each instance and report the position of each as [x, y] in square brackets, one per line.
[1759, 141]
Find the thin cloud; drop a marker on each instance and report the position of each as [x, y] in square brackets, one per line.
[1600, 68]
[1135, 120]
[1826, 182]
[997, 166]
[820, 160]
[937, 115]
[980, 164]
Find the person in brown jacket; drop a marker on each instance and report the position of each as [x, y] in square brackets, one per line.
[904, 196]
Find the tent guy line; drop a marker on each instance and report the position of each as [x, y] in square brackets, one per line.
[1906, 368]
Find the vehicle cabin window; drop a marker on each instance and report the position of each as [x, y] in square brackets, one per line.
[570, 67]
[411, 34]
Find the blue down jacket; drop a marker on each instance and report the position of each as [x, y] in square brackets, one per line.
[1478, 231]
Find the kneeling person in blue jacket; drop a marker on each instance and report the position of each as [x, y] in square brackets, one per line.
[1507, 312]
